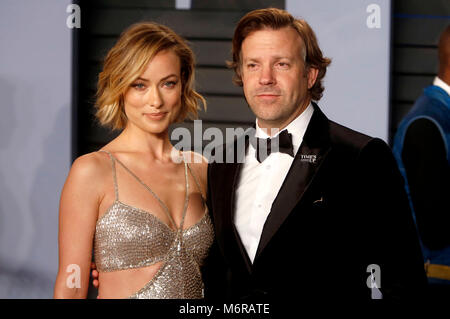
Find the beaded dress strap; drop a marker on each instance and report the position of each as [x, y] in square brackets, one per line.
[186, 196]
[196, 182]
[113, 164]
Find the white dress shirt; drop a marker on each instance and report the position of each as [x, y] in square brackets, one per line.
[438, 82]
[259, 183]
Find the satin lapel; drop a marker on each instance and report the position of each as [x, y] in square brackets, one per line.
[227, 234]
[311, 154]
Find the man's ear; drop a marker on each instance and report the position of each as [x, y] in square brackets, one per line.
[312, 76]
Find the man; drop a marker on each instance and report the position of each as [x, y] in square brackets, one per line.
[423, 154]
[327, 219]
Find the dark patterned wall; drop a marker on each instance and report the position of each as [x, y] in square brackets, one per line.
[417, 25]
[209, 26]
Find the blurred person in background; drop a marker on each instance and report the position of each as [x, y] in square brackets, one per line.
[422, 150]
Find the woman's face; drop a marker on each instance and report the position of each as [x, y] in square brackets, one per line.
[152, 102]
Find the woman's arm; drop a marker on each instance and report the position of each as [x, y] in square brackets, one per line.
[78, 214]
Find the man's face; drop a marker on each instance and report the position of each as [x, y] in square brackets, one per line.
[274, 78]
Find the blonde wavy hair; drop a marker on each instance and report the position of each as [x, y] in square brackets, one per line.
[126, 61]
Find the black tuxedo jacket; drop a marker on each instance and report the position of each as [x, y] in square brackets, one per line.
[341, 208]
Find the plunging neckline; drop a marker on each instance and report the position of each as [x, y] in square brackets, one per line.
[163, 205]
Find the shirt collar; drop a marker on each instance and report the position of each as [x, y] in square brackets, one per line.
[438, 82]
[297, 127]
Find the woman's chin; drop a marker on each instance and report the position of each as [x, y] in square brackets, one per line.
[158, 129]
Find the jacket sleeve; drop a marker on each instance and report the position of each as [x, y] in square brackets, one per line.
[428, 173]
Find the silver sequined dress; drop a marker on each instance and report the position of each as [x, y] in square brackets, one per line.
[127, 237]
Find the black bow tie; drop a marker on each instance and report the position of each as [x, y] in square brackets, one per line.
[281, 143]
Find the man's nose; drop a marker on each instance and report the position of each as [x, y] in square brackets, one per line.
[154, 98]
[267, 76]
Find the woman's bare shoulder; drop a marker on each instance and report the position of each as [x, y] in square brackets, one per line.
[86, 184]
[91, 167]
[195, 160]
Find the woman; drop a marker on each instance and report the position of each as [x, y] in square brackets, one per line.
[142, 210]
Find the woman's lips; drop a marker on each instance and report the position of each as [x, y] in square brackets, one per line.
[155, 116]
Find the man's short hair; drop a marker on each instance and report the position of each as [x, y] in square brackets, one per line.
[272, 18]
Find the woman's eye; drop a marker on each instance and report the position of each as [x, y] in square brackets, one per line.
[139, 86]
[170, 84]
[251, 66]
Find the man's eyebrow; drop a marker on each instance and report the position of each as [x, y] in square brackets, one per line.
[273, 57]
[250, 60]
[283, 57]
